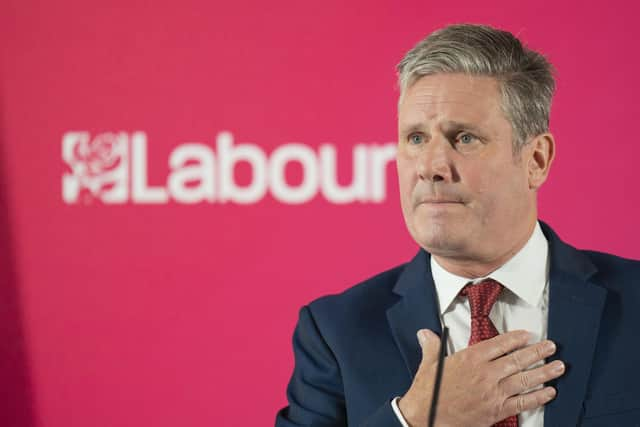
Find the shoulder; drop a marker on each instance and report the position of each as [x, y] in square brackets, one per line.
[610, 263]
[611, 266]
[369, 295]
[604, 269]
[614, 272]
[359, 308]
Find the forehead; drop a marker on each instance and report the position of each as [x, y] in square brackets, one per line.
[451, 97]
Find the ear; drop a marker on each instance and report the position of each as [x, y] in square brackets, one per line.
[541, 154]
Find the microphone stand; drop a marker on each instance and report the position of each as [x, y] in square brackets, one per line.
[436, 385]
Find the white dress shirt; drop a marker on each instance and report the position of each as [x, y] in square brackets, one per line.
[523, 304]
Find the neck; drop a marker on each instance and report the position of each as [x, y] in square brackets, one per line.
[474, 267]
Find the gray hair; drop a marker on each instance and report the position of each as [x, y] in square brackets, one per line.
[525, 78]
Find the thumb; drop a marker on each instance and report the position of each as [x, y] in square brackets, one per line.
[430, 344]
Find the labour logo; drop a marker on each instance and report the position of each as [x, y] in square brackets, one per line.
[112, 168]
[98, 167]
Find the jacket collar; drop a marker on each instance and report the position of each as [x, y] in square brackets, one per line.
[417, 309]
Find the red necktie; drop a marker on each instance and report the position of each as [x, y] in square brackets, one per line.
[482, 296]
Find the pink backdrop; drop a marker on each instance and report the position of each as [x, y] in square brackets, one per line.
[174, 313]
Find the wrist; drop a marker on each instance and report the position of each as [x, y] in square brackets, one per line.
[411, 412]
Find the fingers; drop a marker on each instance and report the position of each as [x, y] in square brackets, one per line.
[523, 381]
[524, 402]
[500, 345]
[521, 359]
[430, 344]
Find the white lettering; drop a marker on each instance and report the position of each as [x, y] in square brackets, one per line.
[99, 168]
[381, 155]
[329, 177]
[228, 156]
[140, 192]
[183, 174]
[280, 189]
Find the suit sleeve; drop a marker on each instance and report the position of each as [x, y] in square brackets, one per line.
[316, 392]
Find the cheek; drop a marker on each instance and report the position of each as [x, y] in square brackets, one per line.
[486, 186]
[406, 178]
[481, 182]
[406, 183]
[499, 191]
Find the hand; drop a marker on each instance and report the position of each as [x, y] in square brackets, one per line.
[481, 384]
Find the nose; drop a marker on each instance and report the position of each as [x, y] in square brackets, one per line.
[435, 160]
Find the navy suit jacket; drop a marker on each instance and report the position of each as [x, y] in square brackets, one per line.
[355, 351]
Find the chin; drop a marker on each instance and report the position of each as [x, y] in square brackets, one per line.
[441, 240]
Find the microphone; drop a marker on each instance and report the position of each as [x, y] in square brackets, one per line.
[436, 385]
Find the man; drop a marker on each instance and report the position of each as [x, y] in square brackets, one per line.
[540, 332]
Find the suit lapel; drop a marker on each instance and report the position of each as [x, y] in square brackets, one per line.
[418, 309]
[575, 309]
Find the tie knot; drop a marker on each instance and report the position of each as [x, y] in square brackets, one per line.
[482, 296]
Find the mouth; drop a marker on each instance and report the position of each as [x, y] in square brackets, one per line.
[440, 202]
[439, 206]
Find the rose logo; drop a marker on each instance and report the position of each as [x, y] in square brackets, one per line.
[99, 156]
[98, 165]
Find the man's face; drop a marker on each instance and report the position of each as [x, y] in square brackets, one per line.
[464, 193]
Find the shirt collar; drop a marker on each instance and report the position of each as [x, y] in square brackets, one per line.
[525, 274]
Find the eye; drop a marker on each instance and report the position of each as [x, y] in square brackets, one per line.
[416, 138]
[466, 138]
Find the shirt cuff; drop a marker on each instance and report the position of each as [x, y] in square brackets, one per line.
[396, 410]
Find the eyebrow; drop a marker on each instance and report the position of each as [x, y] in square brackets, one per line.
[411, 128]
[448, 126]
[453, 125]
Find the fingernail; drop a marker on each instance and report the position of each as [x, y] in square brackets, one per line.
[550, 346]
[551, 393]
[558, 367]
[421, 337]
